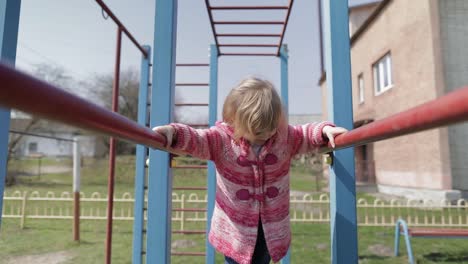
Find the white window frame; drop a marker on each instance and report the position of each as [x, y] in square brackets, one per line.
[382, 70]
[360, 84]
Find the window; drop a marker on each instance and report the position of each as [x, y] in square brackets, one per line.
[361, 88]
[383, 74]
[32, 147]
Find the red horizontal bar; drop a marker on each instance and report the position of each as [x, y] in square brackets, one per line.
[189, 188]
[249, 45]
[192, 84]
[247, 35]
[192, 64]
[248, 7]
[189, 232]
[189, 210]
[183, 104]
[449, 109]
[248, 22]
[195, 254]
[28, 94]
[247, 54]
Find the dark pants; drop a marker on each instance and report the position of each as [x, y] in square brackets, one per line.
[260, 255]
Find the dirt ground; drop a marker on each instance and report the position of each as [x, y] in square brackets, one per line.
[46, 258]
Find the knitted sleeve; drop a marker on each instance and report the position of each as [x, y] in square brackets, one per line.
[308, 137]
[198, 143]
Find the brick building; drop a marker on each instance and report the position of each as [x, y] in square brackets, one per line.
[405, 53]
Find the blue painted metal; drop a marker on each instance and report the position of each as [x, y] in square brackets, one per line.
[9, 21]
[213, 116]
[285, 99]
[158, 236]
[344, 247]
[141, 150]
[409, 249]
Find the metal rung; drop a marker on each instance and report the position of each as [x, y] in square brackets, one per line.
[187, 232]
[189, 210]
[192, 64]
[188, 254]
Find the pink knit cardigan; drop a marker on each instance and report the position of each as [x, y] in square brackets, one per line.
[249, 187]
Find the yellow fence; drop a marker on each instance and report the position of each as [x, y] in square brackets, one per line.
[307, 208]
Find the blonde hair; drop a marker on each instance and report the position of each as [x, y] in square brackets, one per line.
[252, 107]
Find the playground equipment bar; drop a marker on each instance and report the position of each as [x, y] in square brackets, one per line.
[28, 94]
[248, 7]
[449, 109]
[248, 22]
[249, 45]
[285, 25]
[248, 54]
[210, 15]
[248, 35]
[120, 25]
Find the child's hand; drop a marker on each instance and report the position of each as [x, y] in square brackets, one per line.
[331, 132]
[167, 131]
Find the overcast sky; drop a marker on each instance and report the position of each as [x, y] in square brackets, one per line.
[74, 35]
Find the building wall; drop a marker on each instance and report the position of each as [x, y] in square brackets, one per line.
[405, 30]
[454, 39]
[57, 148]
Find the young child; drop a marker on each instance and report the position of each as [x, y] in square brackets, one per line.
[252, 150]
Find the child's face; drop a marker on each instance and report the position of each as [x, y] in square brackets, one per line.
[259, 138]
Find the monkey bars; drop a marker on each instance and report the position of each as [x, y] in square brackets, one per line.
[214, 24]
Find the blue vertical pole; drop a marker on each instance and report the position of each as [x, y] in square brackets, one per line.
[213, 115]
[158, 235]
[285, 99]
[9, 21]
[140, 173]
[344, 247]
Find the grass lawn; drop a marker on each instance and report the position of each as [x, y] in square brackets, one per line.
[311, 242]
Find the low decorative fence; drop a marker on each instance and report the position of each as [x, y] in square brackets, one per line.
[192, 208]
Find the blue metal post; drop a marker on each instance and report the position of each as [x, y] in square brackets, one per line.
[213, 115]
[285, 99]
[9, 21]
[140, 174]
[344, 247]
[158, 235]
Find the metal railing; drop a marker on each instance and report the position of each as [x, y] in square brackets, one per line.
[190, 208]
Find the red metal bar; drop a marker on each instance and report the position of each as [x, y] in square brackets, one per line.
[248, 22]
[76, 216]
[112, 150]
[192, 64]
[195, 254]
[248, 7]
[192, 84]
[285, 25]
[210, 15]
[21, 91]
[248, 54]
[188, 104]
[121, 26]
[249, 45]
[247, 35]
[446, 110]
